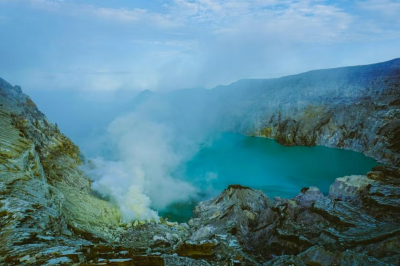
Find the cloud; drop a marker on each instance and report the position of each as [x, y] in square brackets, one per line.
[191, 43]
[133, 16]
[382, 16]
[252, 39]
[388, 8]
[86, 48]
[219, 11]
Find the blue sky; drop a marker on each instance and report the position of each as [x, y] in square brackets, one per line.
[71, 53]
[104, 45]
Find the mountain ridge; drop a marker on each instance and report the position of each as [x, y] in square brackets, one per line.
[50, 216]
[354, 108]
[373, 66]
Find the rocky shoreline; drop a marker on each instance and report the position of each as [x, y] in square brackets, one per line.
[50, 216]
[355, 108]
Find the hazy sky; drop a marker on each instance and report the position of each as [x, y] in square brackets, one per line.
[168, 44]
[63, 50]
[82, 62]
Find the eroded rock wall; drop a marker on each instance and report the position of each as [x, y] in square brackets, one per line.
[357, 221]
[356, 108]
[43, 194]
[49, 215]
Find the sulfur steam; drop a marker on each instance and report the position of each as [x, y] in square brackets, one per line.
[149, 144]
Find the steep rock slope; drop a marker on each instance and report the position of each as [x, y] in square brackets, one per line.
[43, 193]
[356, 108]
[48, 213]
[357, 221]
[49, 216]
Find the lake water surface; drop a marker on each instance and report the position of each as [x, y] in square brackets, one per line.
[264, 164]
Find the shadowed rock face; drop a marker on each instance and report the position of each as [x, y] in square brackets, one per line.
[350, 224]
[356, 108]
[43, 194]
[49, 215]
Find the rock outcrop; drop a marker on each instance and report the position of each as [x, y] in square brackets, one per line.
[50, 216]
[48, 213]
[44, 197]
[355, 108]
[353, 223]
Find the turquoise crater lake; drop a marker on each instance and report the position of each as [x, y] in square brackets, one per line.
[264, 164]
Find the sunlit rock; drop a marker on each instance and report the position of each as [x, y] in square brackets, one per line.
[349, 187]
[49, 214]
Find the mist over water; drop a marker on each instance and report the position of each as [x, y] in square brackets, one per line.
[279, 171]
[141, 151]
[169, 153]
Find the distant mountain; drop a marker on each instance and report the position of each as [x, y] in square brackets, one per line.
[354, 108]
[49, 215]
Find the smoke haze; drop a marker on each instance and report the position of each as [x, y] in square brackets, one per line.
[146, 147]
[82, 62]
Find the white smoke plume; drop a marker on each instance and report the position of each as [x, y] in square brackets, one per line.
[150, 144]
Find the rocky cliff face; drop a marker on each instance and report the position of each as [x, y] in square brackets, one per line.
[48, 213]
[356, 108]
[50, 216]
[357, 221]
[43, 194]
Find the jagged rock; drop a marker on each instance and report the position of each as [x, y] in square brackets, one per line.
[42, 190]
[349, 187]
[159, 241]
[182, 261]
[308, 196]
[285, 260]
[388, 171]
[49, 215]
[233, 211]
[58, 261]
[319, 256]
[201, 250]
[355, 108]
[291, 227]
[376, 175]
[385, 173]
